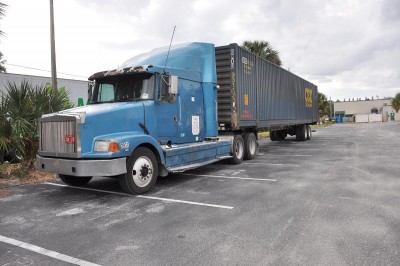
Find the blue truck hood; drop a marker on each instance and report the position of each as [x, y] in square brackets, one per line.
[107, 119]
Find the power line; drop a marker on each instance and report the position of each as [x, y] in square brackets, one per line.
[45, 70]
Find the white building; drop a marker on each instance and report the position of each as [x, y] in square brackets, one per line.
[76, 88]
[367, 110]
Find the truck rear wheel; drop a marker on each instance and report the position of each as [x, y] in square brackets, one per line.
[237, 150]
[142, 172]
[250, 144]
[75, 180]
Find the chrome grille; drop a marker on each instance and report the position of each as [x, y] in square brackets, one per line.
[53, 131]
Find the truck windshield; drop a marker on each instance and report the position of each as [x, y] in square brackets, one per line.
[123, 88]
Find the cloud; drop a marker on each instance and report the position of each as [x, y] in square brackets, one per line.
[348, 48]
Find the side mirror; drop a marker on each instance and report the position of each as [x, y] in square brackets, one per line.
[90, 89]
[173, 85]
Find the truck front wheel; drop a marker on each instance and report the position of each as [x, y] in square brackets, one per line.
[142, 172]
[237, 150]
[75, 180]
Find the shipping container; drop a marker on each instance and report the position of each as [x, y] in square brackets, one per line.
[255, 93]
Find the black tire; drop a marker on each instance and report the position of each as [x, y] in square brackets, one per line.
[301, 133]
[237, 150]
[308, 132]
[142, 172]
[76, 181]
[272, 136]
[298, 133]
[250, 146]
[280, 135]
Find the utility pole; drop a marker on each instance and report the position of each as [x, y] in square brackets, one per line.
[53, 50]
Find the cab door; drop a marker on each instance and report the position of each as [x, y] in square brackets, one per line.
[167, 111]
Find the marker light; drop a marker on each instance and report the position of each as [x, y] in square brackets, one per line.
[113, 147]
[106, 146]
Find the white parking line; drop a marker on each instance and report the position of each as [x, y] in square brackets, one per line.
[46, 252]
[275, 164]
[146, 197]
[234, 177]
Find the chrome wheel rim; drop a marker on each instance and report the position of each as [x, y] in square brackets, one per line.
[252, 146]
[142, 171]
[239, 149]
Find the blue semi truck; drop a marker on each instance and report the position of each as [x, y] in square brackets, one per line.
[175, 109]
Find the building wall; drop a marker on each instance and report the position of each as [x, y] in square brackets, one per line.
[76, 88]
[363, 107]
[360, 108]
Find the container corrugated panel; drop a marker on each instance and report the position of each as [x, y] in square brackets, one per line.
[223, 62]
[261, 94]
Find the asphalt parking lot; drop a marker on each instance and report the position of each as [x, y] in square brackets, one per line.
[333, 200]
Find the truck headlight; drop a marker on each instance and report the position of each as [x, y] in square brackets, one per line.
[106, 146]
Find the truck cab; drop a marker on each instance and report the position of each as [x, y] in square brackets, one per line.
[148, 118]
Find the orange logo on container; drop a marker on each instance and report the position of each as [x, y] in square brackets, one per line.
[246, 99]
[308, 97]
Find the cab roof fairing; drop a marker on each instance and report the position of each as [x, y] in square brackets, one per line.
[194, 61]
[181, 73]
[120, 72]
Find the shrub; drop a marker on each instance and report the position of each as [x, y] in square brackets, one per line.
[20, 110]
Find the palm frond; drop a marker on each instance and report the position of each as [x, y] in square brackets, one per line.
[263, 49]
[2, 13]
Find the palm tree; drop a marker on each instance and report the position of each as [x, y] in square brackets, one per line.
[324, 106]
[2, 12]
[2, 62]
[20, 110]
[396, 102]
[263, 49]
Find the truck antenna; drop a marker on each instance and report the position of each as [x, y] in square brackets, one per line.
[166, 60]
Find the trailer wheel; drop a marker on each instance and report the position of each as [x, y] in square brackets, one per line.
[250, 144]
[305, 133]
[301, 133]
[237, 150]
[272, 136]
[280, 135]
[308, 132]
[75, 180]
[142, 172]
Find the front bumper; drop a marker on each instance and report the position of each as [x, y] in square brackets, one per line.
[108, 167]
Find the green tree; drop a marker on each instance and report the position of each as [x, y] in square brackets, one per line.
[2, 62]
[396, 102]
[263, 49]
[324, 106]
[21, 108]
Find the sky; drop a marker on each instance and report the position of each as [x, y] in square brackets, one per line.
[349, 49]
